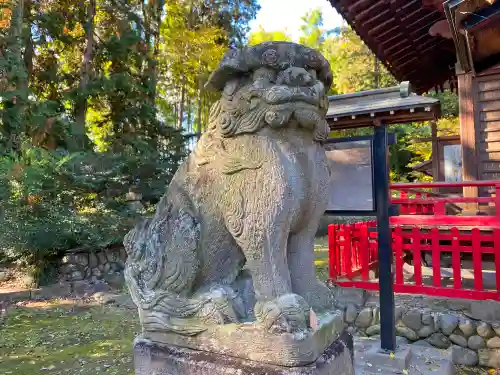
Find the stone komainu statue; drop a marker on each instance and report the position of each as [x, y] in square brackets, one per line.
[250, 196]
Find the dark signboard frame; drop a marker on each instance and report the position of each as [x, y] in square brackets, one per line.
[382, 210]
[391, 139]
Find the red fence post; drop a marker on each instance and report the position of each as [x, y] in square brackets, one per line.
[417, 258]
[476, 259]
[497, 203]
[398, 250]
[332, 245]
[455, 259]
[364, 251]
[404, 207]
[496, 247]
[436, 258]
[346, 253]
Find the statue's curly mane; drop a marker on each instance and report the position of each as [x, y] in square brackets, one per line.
[232, 115]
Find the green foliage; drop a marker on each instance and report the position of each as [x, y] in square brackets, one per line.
[94, 97]
[312, 34]
[52, 200]
[262, 35]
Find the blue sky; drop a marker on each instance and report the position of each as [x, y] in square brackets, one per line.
[286, 14]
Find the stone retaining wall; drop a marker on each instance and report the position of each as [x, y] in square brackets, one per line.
[472, 341]
[92, 265]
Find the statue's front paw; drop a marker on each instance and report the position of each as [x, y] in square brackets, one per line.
[288, 313]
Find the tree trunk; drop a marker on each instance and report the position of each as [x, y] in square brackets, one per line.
[180, 115]
[200, 121]
[189, 109]
[29, 49]
[86, 71]
[156, 50]
[13, 119]
[376, 69]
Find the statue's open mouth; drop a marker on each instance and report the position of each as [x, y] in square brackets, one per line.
[313, 95]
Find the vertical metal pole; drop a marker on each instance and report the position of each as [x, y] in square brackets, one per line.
[381, 182]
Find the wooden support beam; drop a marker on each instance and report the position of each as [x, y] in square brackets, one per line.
[436, 158]
[468, 133]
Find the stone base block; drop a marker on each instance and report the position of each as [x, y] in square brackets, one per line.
[153, 359]
[407, 359]
[399, 360]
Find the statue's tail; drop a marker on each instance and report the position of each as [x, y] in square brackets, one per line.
[161, 268]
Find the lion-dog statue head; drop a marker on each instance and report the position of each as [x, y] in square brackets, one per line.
[275, 84]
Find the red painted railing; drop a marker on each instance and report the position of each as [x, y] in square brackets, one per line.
[353, 254]
[353, 248]
[425, 208]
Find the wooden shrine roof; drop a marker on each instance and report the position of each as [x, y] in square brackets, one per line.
[392, 105]
[397, 31]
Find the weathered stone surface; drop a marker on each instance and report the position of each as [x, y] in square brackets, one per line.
[496, 328]
[485, 310]
[77, 275]
[463, 356]
[406, 332]
[467, 327]
[476, 342]
[106, 268]
[243, 198]
[422, 343]
[485, 331]
[398, 312]
[346, 296]
[352, 330]
[376, 316]
[351, 313]
[257, 343]
[364, 318]
[401, 340]
[101, 256]
[412, 319]
[170, 360]
[493, 343]
[96, 272]
[93, 261]
[448, 323]
[76, 258]
[115, 267]
[427, 319]
[373, 330]
[489, 358]
[439, 340]
[425, 331]
[459, 340]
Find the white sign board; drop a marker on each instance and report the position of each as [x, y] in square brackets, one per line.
[452, 163]
[352, 182]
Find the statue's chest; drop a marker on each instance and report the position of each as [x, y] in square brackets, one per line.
[305, 169]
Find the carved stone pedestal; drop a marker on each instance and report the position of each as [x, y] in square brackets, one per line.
[153, 359]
